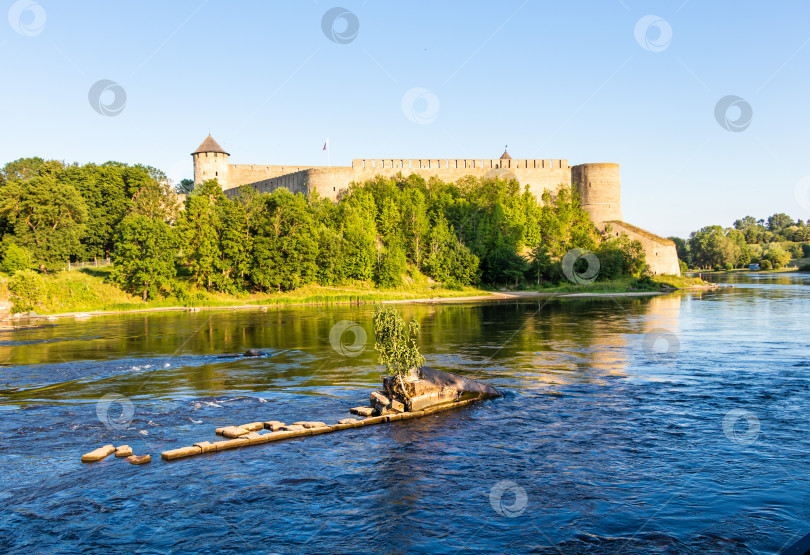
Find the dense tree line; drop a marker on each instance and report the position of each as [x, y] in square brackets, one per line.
[770, 242]
[385, 231]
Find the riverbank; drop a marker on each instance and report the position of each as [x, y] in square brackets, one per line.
[77, 296]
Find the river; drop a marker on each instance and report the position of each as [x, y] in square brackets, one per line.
[670, 424]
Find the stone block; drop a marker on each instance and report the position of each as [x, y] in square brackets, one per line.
[309, 424]
[235, 431]
[379, 400]
[253, 426]
[320, 430]
[232, 444]
[123, 451]
[293, 428]
[373, 420]
[396, 406]
[138, 460]
[98, 454]
[206, 446]
[180, 453]
[347, 421]
[346, 426]
[362, 411]
[274, 425]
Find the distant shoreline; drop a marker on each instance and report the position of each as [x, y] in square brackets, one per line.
[495, 296]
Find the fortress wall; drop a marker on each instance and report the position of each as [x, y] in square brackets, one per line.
[662, 256]
[540, 175]
[600, 191]
[241, 174]
[328, 182]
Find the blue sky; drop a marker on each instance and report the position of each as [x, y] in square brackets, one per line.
[550, 79]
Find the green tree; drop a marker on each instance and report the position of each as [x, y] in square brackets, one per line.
[391, 265]
[143, 256]
[26, 288]
[395, 341]
[199, 230]
[285, 242]
[46, 217]
[779, 221]
[16, 258]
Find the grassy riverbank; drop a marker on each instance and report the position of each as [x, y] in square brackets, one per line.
[91, 290]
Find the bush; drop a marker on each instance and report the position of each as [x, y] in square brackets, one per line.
[765, 264]
[644, 282]
[395, 341]
[27, 288]
[729, 266]
[804, 268]
[805, 250]
[16, 258]
[683, 267]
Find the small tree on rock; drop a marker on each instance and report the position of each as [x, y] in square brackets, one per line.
[395, 341]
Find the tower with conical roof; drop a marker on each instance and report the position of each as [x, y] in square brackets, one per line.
[211, 162]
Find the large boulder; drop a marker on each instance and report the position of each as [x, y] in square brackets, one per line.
[431, 387]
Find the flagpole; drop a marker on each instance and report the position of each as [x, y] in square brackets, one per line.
[328, 153]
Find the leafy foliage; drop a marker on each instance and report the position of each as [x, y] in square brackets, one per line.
[26, 288]
[395, 341]
[144, 255]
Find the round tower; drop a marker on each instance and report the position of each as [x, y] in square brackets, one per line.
[600, 191]
[211, 162]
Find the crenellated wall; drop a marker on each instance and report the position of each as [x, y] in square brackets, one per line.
[599, 185]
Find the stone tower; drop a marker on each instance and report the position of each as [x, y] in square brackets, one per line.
[600, 191]
[211, 162]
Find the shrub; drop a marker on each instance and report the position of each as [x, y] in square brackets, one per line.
[16, 258]
[729, 266]
[683, 267]
[27, 288]
[804, 268]
[395, 341]
[765, 264]
[805, 250]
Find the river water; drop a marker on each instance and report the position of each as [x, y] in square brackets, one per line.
[670, 424]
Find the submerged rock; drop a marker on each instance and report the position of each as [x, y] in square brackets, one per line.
[98, 454]
[123, 451]
[139, 459]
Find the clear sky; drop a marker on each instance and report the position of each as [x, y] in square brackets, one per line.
[585, 81]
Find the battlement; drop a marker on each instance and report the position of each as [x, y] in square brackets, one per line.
[377, 164]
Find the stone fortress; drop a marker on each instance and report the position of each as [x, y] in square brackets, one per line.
[599, 185]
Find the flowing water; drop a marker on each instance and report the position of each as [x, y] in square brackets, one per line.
[670, 424]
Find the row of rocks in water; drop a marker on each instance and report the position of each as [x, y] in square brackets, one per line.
[400, 399]
[121, 452]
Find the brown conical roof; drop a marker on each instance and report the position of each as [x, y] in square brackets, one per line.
[210, 145]
[505, 156]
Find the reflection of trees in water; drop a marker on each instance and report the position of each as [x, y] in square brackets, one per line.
[550, 340]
